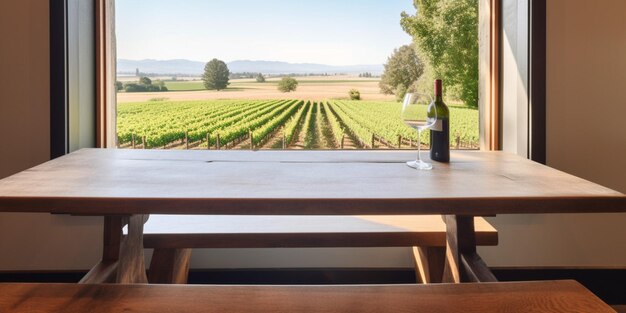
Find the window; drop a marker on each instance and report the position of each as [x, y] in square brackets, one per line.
[280, 75]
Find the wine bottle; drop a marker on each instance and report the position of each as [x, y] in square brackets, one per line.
[440, 132]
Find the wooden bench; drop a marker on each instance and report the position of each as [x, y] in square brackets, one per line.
[173, 236]
[550, 296]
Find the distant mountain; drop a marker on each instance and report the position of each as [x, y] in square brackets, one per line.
[275, 67]
[179, 66]
[187, 67]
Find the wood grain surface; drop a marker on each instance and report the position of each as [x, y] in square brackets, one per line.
[99, 181]
[551, 296]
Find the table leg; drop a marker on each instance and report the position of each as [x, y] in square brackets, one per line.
[169, 266]
[463, 264]
[429, 264]
[122, 256]
[132, 268]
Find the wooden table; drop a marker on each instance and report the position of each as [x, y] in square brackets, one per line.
[127, 185]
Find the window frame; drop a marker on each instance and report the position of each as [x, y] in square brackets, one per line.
[490, 21]
[105, 74]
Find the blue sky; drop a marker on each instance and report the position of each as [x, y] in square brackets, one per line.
[335, 32]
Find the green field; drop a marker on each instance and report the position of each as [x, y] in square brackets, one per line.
[297, 124]
[195, 85]
[184, 85]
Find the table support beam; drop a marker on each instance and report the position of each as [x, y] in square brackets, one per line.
[463, 264]
[476, 270]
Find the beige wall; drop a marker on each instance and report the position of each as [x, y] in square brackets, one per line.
[586, 136]
[587, 89]
[24, 85]
[33, 241]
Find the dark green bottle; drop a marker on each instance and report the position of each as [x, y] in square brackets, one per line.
[440, 132]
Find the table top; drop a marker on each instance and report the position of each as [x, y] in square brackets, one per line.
[549, 296]
[111, 181]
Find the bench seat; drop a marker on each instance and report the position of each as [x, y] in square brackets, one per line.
[173, 237]
[228, 231]
[549, 296]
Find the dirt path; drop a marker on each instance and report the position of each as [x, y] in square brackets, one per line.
[299, 143]
[349, 143]
[275, 141]
[326, 133]
[243, 145]
[315, 140]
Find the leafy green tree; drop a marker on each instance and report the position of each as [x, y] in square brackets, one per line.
[447, 32]
[287, 84]
[400, 92]
[354, 94]
[145, 81]
[260, 78]
[402, 70]
[153, 88]
[159, 83]
[119, 86]
[216, 75]
[134, 87]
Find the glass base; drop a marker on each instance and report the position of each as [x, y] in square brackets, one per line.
[420, 165]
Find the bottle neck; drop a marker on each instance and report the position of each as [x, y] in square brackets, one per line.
[438, 90]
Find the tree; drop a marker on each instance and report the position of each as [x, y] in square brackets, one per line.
[354, 94]
[260, 78]
[287, 84]
[134, 87]
[119, 86]
[145, 81]
[159, 83]
[402, 70]
[447, 33]
[216, 75]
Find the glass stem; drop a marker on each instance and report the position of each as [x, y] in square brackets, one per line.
[419, 146]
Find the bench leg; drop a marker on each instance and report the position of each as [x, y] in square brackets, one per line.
[169, 266]
[463, 264]
[429, 264]
[122, 256]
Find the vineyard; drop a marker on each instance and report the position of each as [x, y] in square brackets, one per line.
[279, 124]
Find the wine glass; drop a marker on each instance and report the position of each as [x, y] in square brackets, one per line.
[413, 108]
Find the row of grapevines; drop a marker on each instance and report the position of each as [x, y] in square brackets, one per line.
[363, 134]
[269, 127]
[308, 127]
[242, 128]
[291, 127]
[176, 129]
[386, 125]
[135, 118]
[163, 123]
[384, 120]
[224, 125]
[335, 126]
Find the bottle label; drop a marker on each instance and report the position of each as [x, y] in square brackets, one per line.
[438, 126]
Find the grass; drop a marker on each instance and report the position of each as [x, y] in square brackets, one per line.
[304, 81]
[194, 86]
[185, 85]
[238, 85]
